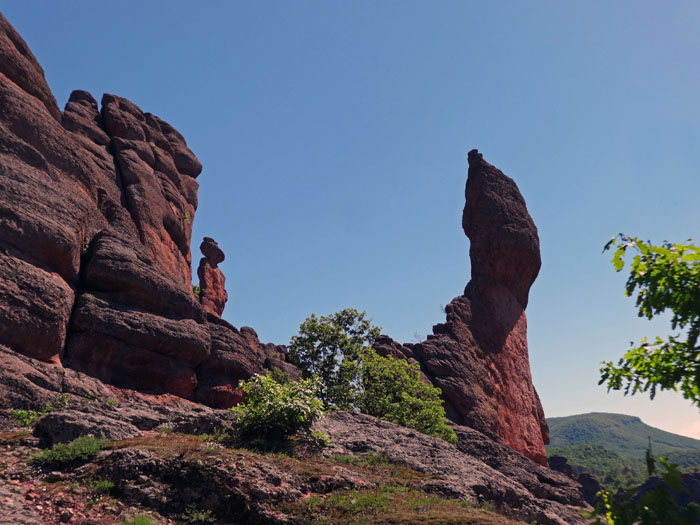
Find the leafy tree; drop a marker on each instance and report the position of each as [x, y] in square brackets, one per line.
[392, 390]
[330, 347]
[666, 277]
[338, 350]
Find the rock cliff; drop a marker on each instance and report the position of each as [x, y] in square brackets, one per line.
[479, 356]
[96, 211]
[97, 304]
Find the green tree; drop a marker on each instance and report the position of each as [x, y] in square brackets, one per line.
[665, 277]
[330, 347]
[338, 350]
[392, 390]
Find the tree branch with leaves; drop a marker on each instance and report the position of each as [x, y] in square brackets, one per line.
[664, 277]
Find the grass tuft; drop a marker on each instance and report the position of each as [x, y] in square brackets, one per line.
[77, 451]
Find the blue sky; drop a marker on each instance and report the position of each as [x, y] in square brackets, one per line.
[334, 137]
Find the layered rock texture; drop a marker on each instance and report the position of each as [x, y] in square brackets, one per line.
[479, 356]
[97, 304]
[96, 211]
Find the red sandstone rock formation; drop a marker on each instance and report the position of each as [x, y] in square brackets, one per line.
[212, 283]
[479, 356]
[96, 211]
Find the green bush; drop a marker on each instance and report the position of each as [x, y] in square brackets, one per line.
[101, 486]
[274, 412]
[338, 350]
[392, 390]
[197, 516]
[27, 418]
[79, 450]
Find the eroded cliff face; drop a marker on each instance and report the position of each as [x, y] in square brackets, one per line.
[479, 356]
[96, 211]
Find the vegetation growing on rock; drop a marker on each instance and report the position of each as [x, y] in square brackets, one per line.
[275, 411]
[337, 349]
[77, 451]
[392, 390]
[27, 418]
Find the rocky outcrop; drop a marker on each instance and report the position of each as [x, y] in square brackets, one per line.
[96, 302]
[235, 356]
[96, 211]
[479, 356]
[212, 283]
[157, 461]
[19, 66]
[478, 470]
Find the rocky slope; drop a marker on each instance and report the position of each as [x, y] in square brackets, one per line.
[163, 459]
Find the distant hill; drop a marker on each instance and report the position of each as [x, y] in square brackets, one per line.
[613, 446]
[626, 435]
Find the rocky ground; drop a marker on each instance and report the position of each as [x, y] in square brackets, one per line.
[168, 463]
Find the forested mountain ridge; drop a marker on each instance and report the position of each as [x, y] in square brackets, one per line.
[612, 447]
[626, 435]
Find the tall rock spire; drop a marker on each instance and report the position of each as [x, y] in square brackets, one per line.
[479, 356]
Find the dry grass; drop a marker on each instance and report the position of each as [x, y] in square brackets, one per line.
[389, 504]
[171, 445]
[395, 496]
[13, 437]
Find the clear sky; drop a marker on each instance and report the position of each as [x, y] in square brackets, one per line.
[334, 137]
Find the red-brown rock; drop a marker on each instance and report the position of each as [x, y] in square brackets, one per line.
[96, 213]
[479, 356]
[18, 65]
[236, 355]
[212, 283]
